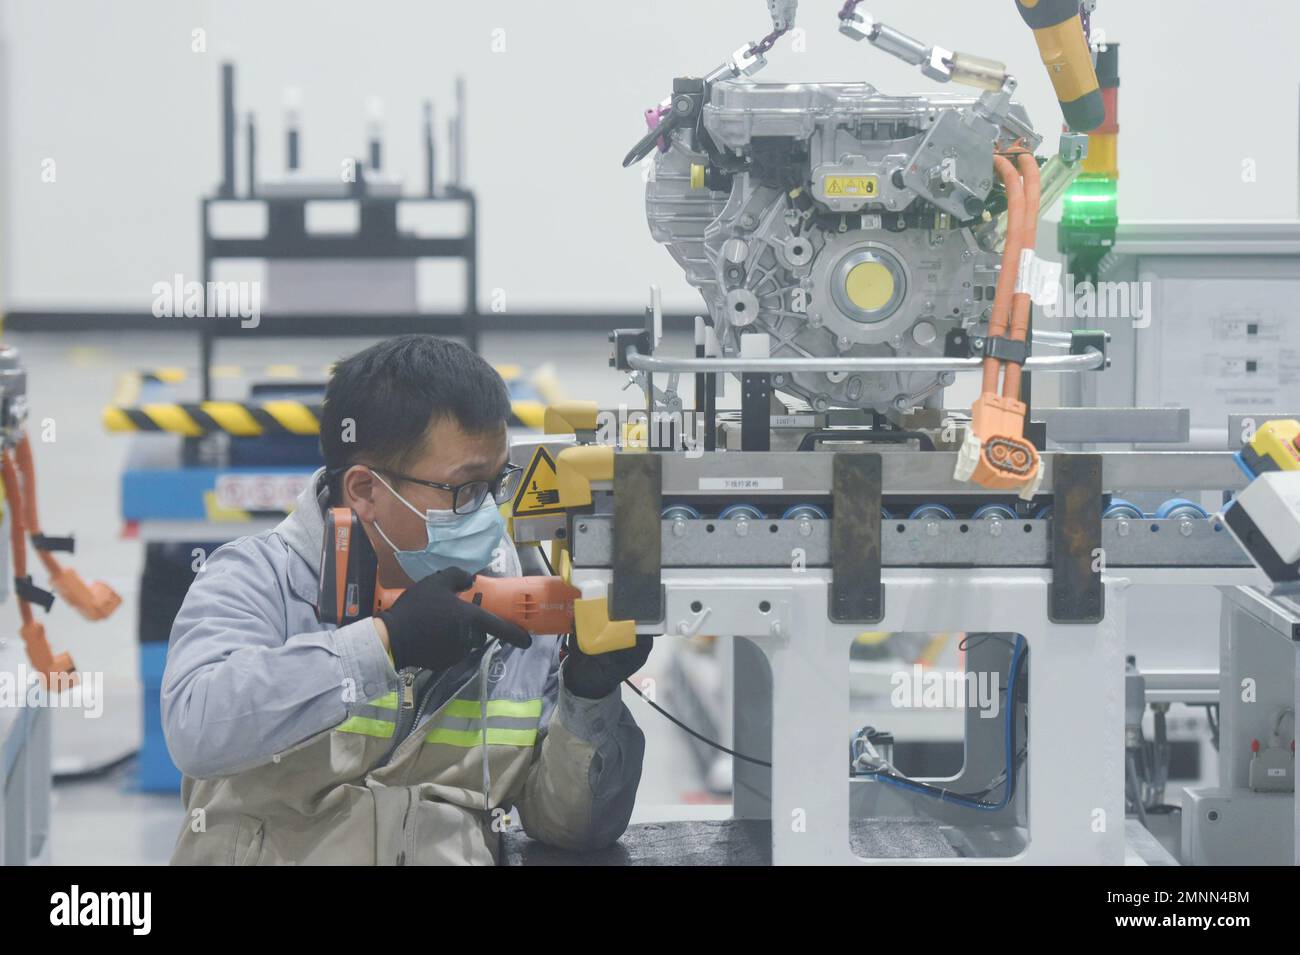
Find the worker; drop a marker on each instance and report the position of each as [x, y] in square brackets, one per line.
[404, 738]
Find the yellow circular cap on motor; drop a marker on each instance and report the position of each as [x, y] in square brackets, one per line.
[697, 176]
[869, 286]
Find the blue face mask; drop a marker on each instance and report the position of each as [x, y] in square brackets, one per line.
[468, 541]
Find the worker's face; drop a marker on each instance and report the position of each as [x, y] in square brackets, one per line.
[448, 455]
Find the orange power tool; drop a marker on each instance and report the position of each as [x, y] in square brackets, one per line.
[349, 589]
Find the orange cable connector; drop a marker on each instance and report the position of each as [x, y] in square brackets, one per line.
[995, 453]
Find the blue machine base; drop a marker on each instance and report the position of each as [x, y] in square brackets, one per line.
[155, 771]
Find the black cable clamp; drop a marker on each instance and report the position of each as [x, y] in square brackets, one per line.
[1006, 349]
[28, 591]
[46, 543]
[625, 338]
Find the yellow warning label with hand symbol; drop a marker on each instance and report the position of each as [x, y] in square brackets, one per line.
[539, 492]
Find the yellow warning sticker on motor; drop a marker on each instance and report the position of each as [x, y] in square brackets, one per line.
[851, 187]
[539, 492]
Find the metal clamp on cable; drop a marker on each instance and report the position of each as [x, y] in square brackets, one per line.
[44, 542]
[1006, 349]
[28, 591]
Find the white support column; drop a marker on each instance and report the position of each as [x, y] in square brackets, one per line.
[810, 719]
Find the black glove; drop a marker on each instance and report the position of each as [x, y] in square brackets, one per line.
[429, 626]
[593, 677]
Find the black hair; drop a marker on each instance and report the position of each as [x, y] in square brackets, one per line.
[380, 402]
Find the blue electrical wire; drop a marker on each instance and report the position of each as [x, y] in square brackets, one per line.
[1008, 789]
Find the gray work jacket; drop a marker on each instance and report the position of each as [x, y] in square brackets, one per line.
[300, 743]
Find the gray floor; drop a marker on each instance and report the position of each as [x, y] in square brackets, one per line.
[99, 818]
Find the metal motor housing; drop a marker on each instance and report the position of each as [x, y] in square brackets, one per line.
[792, 208]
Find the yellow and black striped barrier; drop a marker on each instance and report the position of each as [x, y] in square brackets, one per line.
[249, 420]
[195, 419]
[253, 419]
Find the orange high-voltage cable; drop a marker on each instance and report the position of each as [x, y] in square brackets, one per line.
[46, 662]
[1021, 307]
[999, 319]
[1005, 460]
[94, 601]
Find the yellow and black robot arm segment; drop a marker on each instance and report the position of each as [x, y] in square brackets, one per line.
[1058, 29]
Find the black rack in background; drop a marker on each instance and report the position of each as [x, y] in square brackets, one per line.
[377, 235]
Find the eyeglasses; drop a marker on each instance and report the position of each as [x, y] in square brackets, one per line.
[468, 497]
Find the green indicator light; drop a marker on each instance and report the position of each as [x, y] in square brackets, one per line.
[1089, 214]
[1092, 198]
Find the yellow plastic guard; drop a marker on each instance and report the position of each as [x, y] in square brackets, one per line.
[569, 417]
[576, 468]
[596, 632]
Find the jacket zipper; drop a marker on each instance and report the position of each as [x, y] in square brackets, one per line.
[402, 732]
[406, 703]
[424, 701]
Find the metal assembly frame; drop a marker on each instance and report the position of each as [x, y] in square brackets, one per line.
[1073, 792]
[794, 621]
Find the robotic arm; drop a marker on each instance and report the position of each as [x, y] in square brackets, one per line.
[1062, 39]
[1058, 27]
[934, 61]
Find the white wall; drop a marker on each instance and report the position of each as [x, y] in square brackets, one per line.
[112, 92]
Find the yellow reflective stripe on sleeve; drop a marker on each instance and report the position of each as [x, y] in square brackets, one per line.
[471, 738]
[367, 726]
[386, 702]
[471, 710]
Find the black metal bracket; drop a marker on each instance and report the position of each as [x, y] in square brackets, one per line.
[957, 344]
[1082, 339]
[636, 591]
[857, 595]
[625, 338]
[756, 412]
[1076, 594]
[46, 543]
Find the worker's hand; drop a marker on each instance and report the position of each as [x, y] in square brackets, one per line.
[429, 626]
[593, 677]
